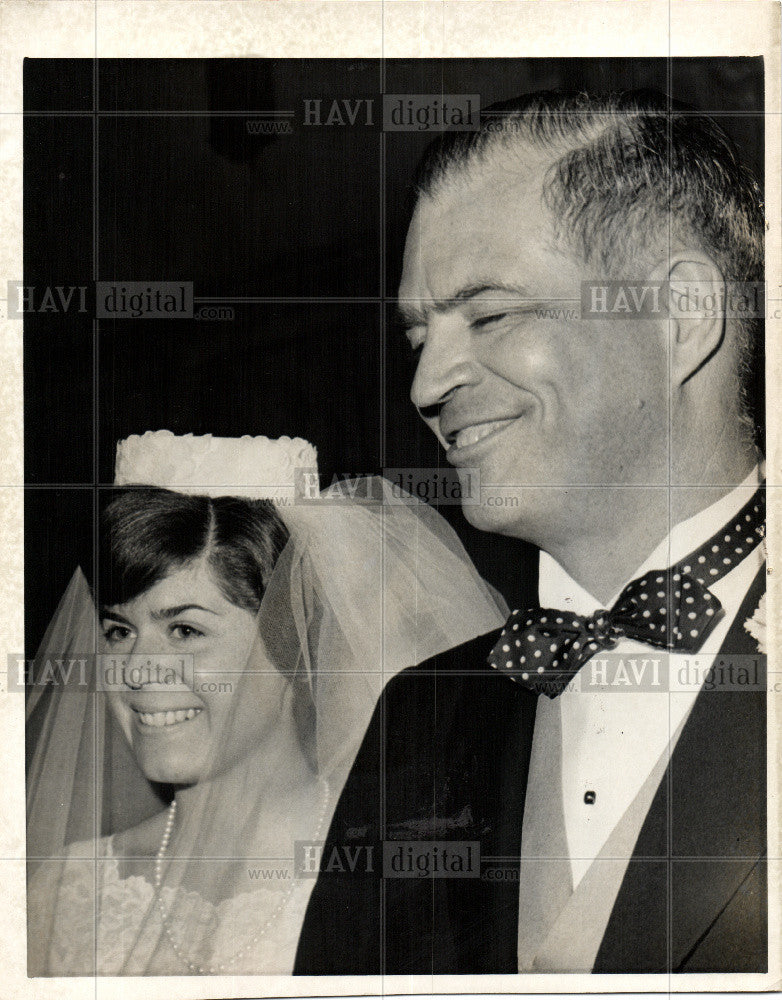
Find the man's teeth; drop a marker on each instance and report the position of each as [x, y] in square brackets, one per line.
[168, 718]
[471, 435]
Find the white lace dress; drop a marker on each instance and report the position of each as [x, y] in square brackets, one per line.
[106, 925]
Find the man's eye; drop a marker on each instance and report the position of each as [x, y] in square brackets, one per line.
[185, 632]
[116, 633]
[483, 321]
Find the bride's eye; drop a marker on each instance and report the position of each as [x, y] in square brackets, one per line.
[116, 633]
[181, 631]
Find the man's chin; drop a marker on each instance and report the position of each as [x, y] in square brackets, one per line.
[499, 510]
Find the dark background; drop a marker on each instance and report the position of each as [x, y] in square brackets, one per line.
[144, 170]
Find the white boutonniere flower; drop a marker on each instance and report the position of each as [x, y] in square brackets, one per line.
[756, 625]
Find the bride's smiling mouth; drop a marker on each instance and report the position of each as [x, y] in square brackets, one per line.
[164, 720]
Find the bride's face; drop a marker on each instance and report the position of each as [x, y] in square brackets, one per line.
[174, 697]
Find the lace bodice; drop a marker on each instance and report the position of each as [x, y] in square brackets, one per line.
[129, 938]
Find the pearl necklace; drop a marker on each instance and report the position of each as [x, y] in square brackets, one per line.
[208, 970]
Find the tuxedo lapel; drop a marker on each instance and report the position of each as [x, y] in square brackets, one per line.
[490, 736]
[703, 835]
[445, 758]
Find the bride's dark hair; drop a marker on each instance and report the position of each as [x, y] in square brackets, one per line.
[146, 533]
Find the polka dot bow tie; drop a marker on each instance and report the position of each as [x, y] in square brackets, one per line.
[543, 648]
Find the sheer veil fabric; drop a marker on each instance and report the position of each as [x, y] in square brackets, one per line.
[361, 591]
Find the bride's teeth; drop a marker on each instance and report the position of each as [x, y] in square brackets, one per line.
[160, 719]
[471, 435]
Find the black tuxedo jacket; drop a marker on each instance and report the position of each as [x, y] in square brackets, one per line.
[446, 758]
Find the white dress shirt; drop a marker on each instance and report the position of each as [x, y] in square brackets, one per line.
[613, 735]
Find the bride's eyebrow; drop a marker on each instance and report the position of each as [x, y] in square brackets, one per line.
[165, 613]
[104, 612]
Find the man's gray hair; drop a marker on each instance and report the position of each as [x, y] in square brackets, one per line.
[629, 170]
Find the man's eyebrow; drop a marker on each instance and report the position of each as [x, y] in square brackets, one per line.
[408, 314]
[417, 314]
[472, 291]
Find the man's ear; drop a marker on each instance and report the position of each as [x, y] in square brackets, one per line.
[696, 312]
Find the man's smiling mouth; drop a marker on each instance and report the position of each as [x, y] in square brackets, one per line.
[477, 432]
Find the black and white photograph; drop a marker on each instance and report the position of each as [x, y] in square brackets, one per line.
[392, 546]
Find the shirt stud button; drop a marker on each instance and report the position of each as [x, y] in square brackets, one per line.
[589, 798]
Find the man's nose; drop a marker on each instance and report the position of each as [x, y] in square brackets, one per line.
[446, 362]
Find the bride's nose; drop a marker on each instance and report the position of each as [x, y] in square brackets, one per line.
[147, 666]
[129, 676]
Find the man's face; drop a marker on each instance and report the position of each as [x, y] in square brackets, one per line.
[509, 378]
